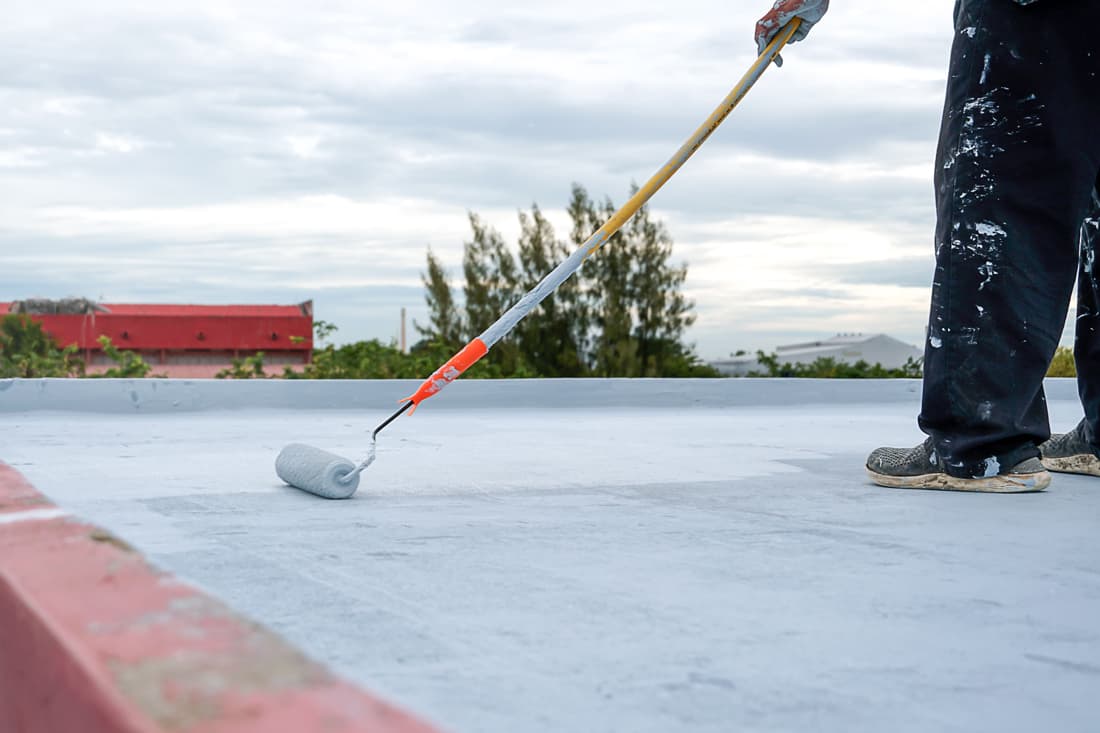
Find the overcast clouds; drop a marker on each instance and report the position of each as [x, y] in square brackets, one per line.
[242, 151]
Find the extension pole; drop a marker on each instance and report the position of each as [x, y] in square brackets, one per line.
[478, 347]
[333, 477]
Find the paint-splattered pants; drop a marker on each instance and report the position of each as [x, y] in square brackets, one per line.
[1017, 173]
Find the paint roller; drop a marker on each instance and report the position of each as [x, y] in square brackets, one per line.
[333, 477]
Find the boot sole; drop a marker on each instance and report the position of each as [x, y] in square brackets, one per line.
[1083, 464]
[1007, 483]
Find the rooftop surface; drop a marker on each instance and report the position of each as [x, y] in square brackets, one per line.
[594, 555]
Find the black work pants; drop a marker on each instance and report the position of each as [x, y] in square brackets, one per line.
[1017, 173]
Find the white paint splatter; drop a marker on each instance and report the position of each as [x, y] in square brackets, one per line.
[936, 342]
[32, 515]
[992, 468]
[985, 71]
[989, 229]
[988, 271]
[969, 32]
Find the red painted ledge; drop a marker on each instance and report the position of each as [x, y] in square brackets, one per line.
[94, 639]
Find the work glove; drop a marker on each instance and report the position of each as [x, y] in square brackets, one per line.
[810, 11]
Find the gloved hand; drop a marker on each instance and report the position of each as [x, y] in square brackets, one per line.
[810, 11]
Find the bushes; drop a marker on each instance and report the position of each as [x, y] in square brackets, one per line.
[128, 364]
[1062, 365]
[28, 351]
[829, 368]
[375, 360]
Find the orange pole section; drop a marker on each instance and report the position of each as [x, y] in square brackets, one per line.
[450, 371]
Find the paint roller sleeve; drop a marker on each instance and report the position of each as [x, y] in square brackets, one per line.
[316, 471]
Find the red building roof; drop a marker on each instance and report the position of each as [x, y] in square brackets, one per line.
[155, 327]
[165, 309]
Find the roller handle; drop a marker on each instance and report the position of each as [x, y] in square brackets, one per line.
[473, 351]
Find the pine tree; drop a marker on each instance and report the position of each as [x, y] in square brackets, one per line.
[607, 288]
[551, 336]
[492, 286]
[623, 315]
[661, 311]
[634, 292]
[444, 327]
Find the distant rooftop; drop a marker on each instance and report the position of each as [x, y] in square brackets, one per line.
[80, 306]
[839, 339]
[179, 340]
[877, 348]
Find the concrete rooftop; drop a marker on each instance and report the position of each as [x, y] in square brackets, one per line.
[602, 555]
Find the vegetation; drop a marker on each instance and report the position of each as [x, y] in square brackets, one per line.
[28, 351]
[128, 364]
[829, 368]
[375, 360]
[249, 367]
[623, 315]
[1063, 364]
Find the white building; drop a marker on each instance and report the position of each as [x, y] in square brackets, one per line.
[848, 348]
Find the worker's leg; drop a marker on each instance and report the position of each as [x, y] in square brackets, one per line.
[1078, 451]
[1016, 168]
[1086, 347]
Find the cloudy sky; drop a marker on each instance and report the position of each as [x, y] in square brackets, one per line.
[238, 151]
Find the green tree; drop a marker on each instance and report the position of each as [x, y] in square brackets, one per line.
[492, 286]
[27, 351]
[607, 290]
[635, 295]
[444, 326]
[662, 313]
[552, 336]
[623, 315]
[322, 330]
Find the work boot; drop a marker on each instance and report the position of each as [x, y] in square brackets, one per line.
[921, 468]
[1071, 453]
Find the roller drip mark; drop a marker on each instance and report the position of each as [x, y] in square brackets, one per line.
[33, 515]
[371, 452]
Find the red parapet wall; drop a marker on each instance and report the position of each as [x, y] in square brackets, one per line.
[93, 639]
